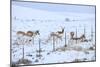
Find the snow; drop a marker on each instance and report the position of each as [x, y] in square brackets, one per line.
[30, 19]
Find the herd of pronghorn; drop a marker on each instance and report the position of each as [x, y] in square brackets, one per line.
[27, 37]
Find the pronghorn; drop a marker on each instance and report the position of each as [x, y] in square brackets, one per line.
[26, 38]
[57, 35]
[31, 33]
[30, 36]
[81, 38]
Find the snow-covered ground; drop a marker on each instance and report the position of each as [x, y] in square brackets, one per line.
[30, 19]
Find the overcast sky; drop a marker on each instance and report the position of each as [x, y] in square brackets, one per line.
[57, 7]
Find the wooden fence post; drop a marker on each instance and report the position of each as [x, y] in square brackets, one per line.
[76, 35]
[91, 33]
[39, 46]
[84, 31]
[23, 51]
[53, 43]
[65, 40]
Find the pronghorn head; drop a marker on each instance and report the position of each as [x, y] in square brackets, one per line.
[62, 28]
[37, 32]
[72, 34]
[83, 36]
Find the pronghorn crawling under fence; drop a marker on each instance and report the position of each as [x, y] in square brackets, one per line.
[82, 38]
[26, 38]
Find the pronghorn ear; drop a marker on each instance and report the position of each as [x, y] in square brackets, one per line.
[38, 32]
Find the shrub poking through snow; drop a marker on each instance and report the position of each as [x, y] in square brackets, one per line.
[36, 60]
[77, 60]
[24, 61]
[91, 48]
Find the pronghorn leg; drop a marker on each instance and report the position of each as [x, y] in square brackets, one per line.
[56, 40]
[29, 41]
[49, 38]
[25, 41]
[33, 40]
[60, 40]
[20, 40]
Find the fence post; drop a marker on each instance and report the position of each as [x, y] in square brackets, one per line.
[91, 33]
[65, 40]
[39, 55]
[23, 51]
[84, 31]
[76, 35]
[53, 43]
[39, 47]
